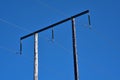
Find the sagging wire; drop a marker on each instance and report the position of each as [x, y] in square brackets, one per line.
[88, 24]
[52, 34]
[64, 48]
[18, 27]
[51, 7]
[98, 33]
[8, 49]
[12, 24]
[27, 30]
[57, 44]
[47, 39]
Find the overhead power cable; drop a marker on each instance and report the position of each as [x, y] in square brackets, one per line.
[103, 37]
[57, 44]
[26, 30]
[8, 49]
[12, 24]
[44, 4]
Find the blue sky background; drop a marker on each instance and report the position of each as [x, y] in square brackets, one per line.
[98, 48]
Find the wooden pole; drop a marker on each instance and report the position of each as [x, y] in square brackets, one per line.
[36, 56]
[76, 74]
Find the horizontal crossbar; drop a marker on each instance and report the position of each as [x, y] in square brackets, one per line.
[55, 24]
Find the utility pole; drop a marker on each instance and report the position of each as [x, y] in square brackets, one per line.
[35, 33]
[75, 58]
[36, 56]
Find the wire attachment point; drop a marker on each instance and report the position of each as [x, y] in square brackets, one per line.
[89, 21]
[20, 47]
[52, 35]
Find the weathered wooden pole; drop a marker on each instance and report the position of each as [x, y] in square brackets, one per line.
[75, 58]
[36, 56]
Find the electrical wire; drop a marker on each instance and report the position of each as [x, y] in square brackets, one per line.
[61, 13]
[50, 7]
[8, 49]
[26, 30]
[15, 26]
[103, 37]
[57, 44]
[12, 24]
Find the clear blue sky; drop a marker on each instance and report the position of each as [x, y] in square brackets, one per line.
[98, 48]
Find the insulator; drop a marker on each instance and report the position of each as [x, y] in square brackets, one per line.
[89, 20]
[20, 47]
[52, 35]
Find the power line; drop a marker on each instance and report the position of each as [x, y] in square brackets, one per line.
[26, 30]
[12, 24]
[57, 44]
[8, 49]
[103, 37]
[51, 8]
[35, 33]
[15, 26]
[55, 24]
